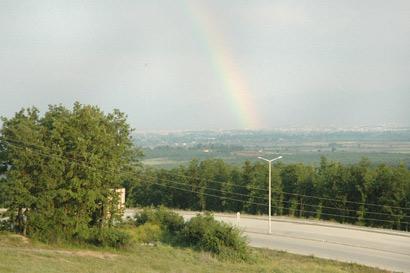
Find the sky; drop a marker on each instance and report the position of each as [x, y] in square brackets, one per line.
[175, 65]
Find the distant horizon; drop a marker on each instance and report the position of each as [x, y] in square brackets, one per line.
[317, 127]
[363, 128]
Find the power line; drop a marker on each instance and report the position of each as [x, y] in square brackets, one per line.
[218, 196]
[83, 162]
[283, 201]
[297, 194]
[243, 201]
[206, 188]
[379, 213]
[240, 194]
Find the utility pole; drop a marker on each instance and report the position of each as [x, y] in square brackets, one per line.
[270, 188]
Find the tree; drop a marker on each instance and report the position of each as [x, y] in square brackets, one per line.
[214, 173]
[258, 190]
[3, 180]
[358, 187]
[3, 191]
[289, 179]
[389, 191]
[333, 185]
[64, 167]
[305, 188]
[244, 183]
[197, 198]
[148, 191]
[230, 188]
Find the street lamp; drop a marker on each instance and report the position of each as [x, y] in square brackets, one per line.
[270, 190]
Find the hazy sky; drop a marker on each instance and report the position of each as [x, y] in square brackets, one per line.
[177, 64]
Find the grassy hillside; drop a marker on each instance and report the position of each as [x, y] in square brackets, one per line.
[19, 254]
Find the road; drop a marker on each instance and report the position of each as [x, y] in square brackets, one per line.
[385, 249]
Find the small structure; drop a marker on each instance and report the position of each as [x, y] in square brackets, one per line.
[121, 198]
[118, 206]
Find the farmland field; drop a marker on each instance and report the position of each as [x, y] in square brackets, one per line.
[173, 149]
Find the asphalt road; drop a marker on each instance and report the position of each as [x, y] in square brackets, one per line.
[373, 247]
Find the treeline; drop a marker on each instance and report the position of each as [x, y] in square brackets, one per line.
[361, 193]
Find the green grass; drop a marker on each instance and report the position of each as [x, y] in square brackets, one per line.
[18, 254]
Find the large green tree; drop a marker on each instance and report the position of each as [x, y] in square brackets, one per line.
[63, 167]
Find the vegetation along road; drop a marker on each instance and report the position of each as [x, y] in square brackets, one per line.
[385, 249]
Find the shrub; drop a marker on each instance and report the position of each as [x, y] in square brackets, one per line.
[148, 233]
[163, 217]
[110, 237]
[6, 225]
[205, 233]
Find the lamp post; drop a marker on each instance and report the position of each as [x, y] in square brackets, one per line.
[270, 190]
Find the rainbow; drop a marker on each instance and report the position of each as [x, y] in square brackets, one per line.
[236, 88]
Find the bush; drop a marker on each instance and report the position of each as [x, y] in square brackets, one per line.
[109, 237]
[201, 232]
[6, 225]
[205, 233]
[5, 221]
[163, 217]
[148, 233]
